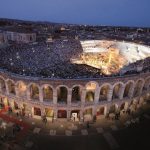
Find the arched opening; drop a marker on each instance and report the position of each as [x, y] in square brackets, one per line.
[62, 114]
[90, 92]
[34, 92]
[27, 110]
[133, 102]
[24, 109]
[133, 105]
[141, 101]
[122, 106]
[16, 107]
[137, 88]
[100, 112]
[89, 96]
[37, 111]
[11, 87]
[1, 103]
[128, 87]
[116, 91]
[21, 89]
[2, 85]
[104, 93]
[76, 94]
[88, 114]
[62, 94]
[75, 115]
[4, 102]
[47, 94]
[49, 112]
[113, 108]
[146, 97]
[147, 84]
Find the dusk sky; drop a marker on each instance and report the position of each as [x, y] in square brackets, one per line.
[96, 12]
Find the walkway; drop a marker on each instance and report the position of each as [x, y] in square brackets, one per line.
[24, 126]
[33, 129]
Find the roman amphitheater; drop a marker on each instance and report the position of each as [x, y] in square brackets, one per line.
[68, 79]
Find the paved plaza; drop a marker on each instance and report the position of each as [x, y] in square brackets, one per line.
[103, 134]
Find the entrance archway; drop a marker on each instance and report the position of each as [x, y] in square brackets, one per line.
[75, 115]
[100, 111]
[88, 114]
[122, 106]
[11, 87]
[1, 103]
[113, 108]
[2, 85]
[62, 114]
[23, 110]
[49, 112]
[37, 111]
[5, 101]
[16, 106]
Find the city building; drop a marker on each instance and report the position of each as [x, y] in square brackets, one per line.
[19, 37]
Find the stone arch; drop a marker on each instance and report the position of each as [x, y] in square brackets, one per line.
[133, 105]
[34, 91]
[2, 84]
[49, 112]
[113, 108]
[104, 91]
[4, 101]
[134, 101]
[89, 96]
[91, 84]
[90, 91]
[16, 106]
[128, 88]
[88, 114]
[100, 111]
[147, 97]
[141, 100]
[124, 106]
[62, 94]
[147, 84]
[138, 87]
[62, 113]
[76, 93]
[11, 86]
[37, 111]
[47, 92]
[21, 88]
[117, 87]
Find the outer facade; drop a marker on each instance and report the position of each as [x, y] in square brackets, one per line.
[80, 99]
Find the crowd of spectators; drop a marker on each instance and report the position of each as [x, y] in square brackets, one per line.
[51, 60]
[145, 64]
[44, 59]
